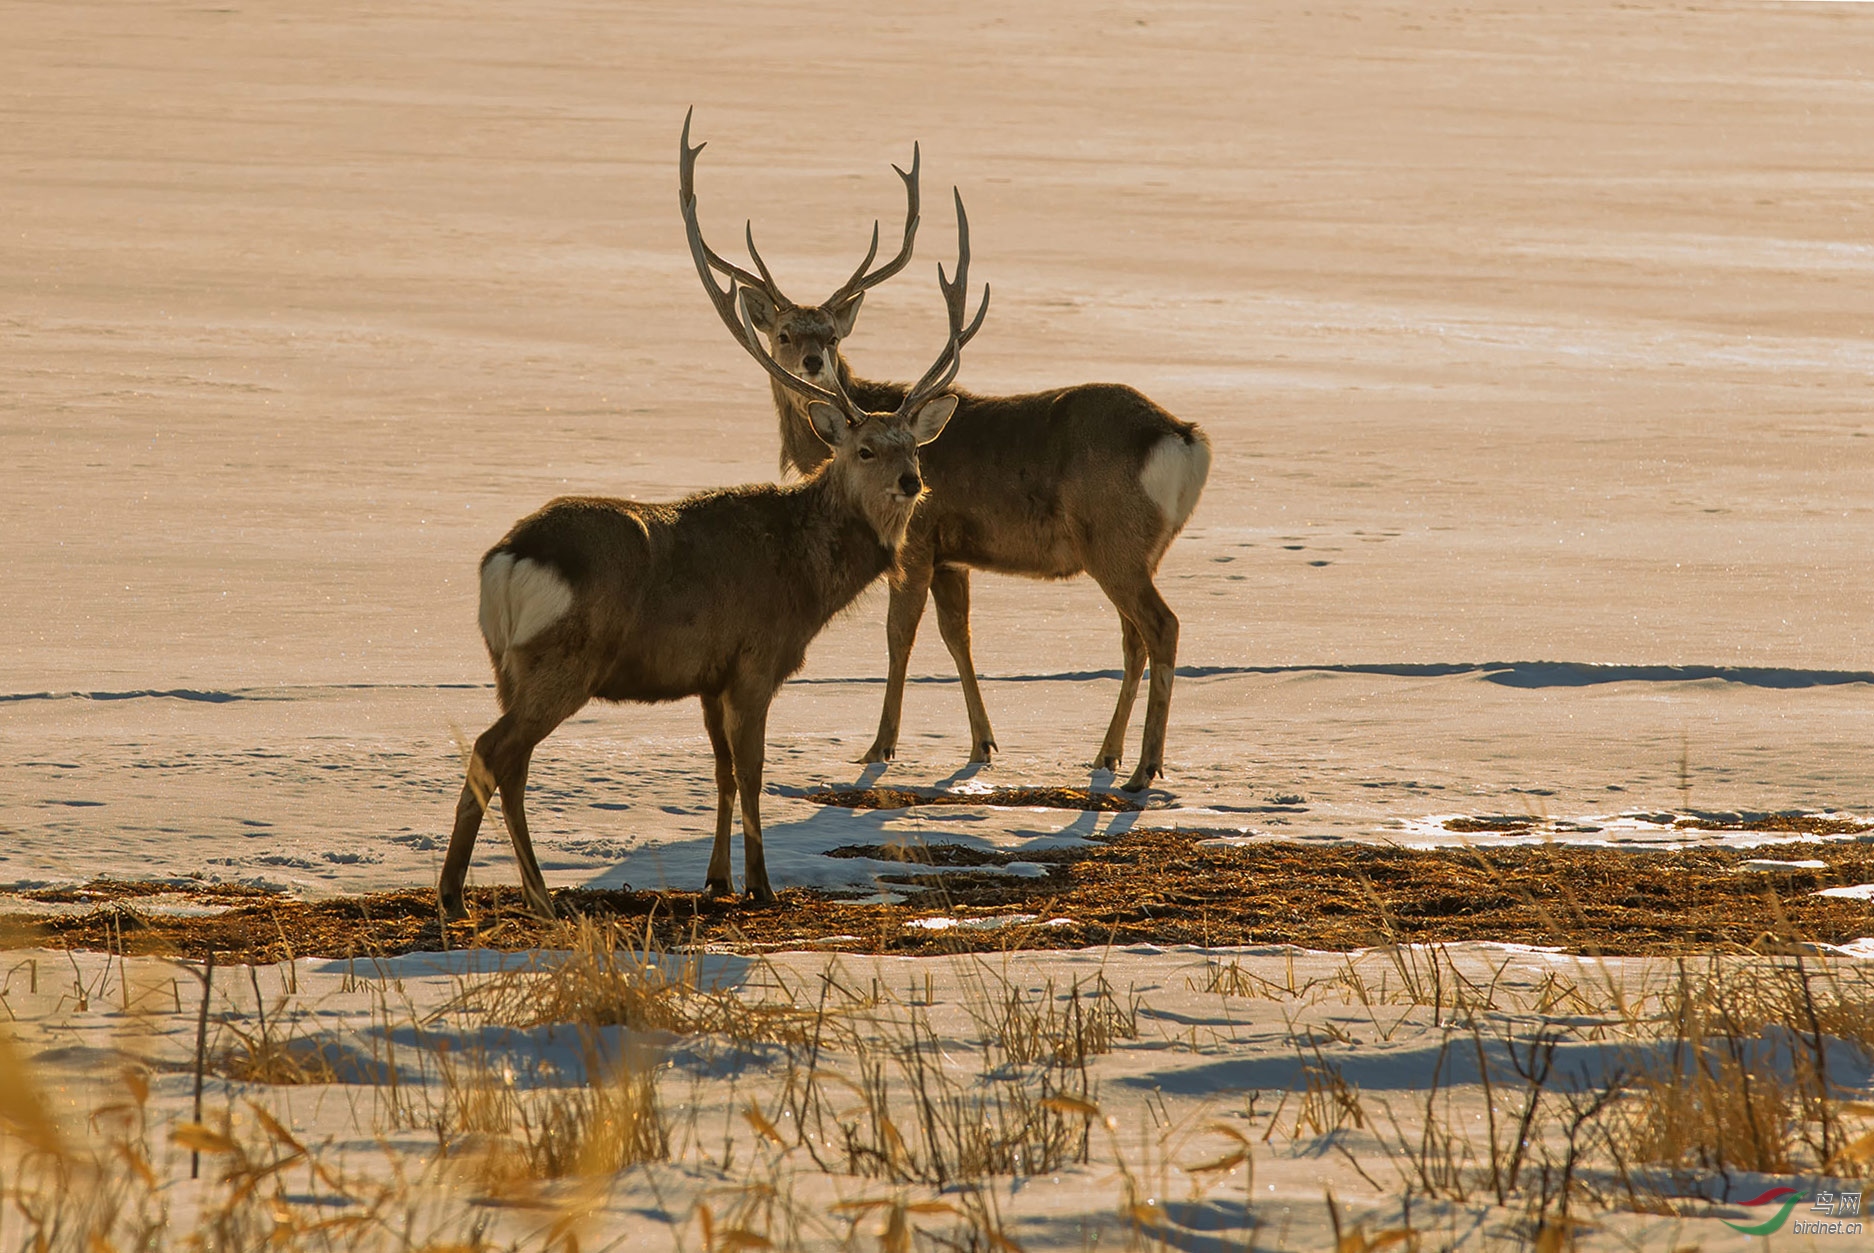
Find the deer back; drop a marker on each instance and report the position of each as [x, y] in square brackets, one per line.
[671, 600]
[1022, 484]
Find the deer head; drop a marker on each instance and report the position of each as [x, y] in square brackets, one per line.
[874, 454]
[805, 339]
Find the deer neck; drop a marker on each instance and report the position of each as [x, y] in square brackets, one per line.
[847, 542]
[801, 450]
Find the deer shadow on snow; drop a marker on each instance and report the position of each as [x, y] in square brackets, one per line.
[798, 848]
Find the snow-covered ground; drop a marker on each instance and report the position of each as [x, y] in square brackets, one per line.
[1237, 1090]
[1534, 346]
[322, 791]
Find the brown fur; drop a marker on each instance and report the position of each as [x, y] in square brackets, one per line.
[1044, 485]
[1093, 479]
[715, 596]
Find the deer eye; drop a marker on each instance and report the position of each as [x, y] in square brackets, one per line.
[866, 454]
[785, 338]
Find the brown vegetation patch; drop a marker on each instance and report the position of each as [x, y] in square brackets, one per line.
[1002, 797]
[1793, 824]
[1780, 824]
[102, 890]
[1501, 826]
[919, 853]
[1157, 887]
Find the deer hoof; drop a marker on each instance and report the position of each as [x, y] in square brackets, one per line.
[453, 910]
[983, 750]
[1141, 778]
[1107, 761]
[879, 752]
[762, 897]
[718, 887]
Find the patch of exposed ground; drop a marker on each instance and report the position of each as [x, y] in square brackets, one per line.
[1155, 887]
[1795, 824]
[1003, 797]
[1500, 826]
[1784, 824]
[108, 890]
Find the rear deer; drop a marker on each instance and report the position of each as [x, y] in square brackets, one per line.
[716, 595]
[1094, 479]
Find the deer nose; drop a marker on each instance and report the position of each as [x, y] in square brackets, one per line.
[811, 362]
[910, 484]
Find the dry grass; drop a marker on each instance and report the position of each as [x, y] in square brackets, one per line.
[1155, 887]
[1739, 1078]
[913, 1122]
[1047, 1027]
[1793, 824]
[507, 1141]
[1722, 1067]
[110, 1188]
[609, 976]
[273, 1051]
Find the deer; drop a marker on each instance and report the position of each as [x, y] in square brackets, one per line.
[715, 596]
[1092, 479]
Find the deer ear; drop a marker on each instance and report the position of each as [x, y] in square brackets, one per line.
[761, 310]
[930, 419]
[828, 423]
[845, 315]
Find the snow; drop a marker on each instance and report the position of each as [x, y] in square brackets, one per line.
[1530, 348]
[1201, 1058]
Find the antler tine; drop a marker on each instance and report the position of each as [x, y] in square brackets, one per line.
[724, 301]
[862, 281]
[767, 279]
[956, 297]
[686, 197]
[871, 251]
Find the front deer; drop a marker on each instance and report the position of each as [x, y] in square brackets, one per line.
[1094, 479]
[716, 595]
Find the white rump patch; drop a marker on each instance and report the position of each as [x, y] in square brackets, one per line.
[1174, 476]
[520, 599]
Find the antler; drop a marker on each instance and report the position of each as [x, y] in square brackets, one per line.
[860, 280]
[686, 196]
[729, 307]
[733, 310]
[956, 300]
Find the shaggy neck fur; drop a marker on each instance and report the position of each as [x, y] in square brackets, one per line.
[866, 529]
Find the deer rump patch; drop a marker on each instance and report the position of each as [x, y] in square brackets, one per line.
[520, 599]
[1173, 475]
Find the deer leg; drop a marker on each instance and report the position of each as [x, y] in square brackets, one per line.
[500, 760]
[499, 763]
[513, 782]
[950, 588]
[747, 726]
[1138, 601]
[908, 594]
[716, 882]
[1113, 750]
[477, 795]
